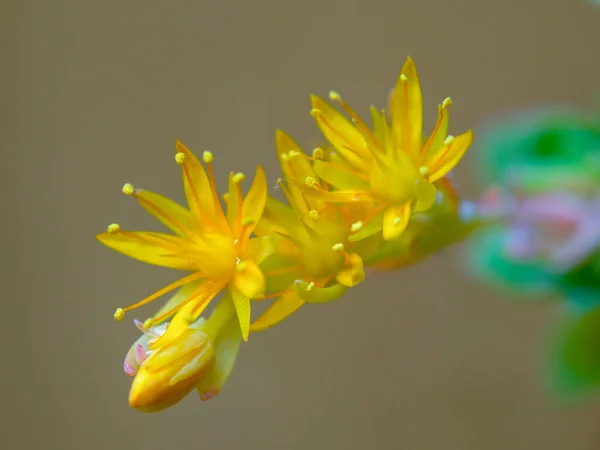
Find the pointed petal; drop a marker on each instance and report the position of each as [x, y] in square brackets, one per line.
[169, 213]
[444, 160]
[318, 295]
[226, 346]
[242, 308]
[338, 130]
[254, 202]
[406, 110]
[250, 280]
[437, 137]
[353, 273]
[151, 248]
[373, 226]
[278, 217]
[234, 204]
[395, 220]
[426, 194]
[295, 171]
[198, 192]
[258, 249]
[340, 176]
[281, 308]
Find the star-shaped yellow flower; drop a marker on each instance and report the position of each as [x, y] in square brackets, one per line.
[212, 244]
[392, 165]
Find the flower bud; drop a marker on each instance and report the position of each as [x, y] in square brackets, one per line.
[170, 372]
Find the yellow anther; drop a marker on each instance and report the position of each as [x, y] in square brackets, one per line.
[313, 214]
[397, 221]
[334, 96]
[248, 221]
[448, 140]
[113, 228]
[180, 158]
[293, 153]
[338, 247]
[318, 153]
[207, 157]
[356, 226]
[315, 112]
[403, 78]
[310, 181]
[225, 197]
[148, 324]
[310, 286]
[424, 170]
[119, 314]
[241, 266]
[447, 102]
[128, 189]
[239, 177]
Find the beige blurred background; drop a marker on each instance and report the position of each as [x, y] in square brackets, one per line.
[96, 93]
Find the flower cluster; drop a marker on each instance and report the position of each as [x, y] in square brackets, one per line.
[372, 198]
[543, 237]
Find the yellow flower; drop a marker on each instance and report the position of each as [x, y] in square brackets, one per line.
[200, 358]
[392, 166]
[313, 260]
[213, 244]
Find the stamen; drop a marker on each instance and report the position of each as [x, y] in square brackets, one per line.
[119, 314]
[194, 295]
[424, 170]
[397, 221]
[180, 158]
[356, 226]
[442, 111]
[128, 189]
[316, 113]
[334, 96]
[447, 102]
[318, 153]
[207, 157]
[339, 247]
[310, 286]
[403, 78]
[293, 153]
[448, 140]
[313, 214]
[241, 266]
[113, 228]
[182, 281]
[310, 181]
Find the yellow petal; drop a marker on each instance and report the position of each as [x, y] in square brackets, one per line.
[254, 202]
[258, 249]
[191, 308]
[313, 294]
[177, 298]
[234, 204]
[340, 176]
[338, 130]
[152, 248]
[281, 308]
[353, 273]
[249, 279]
[294, 171]
[226, 345]
[406, 109]
[203, 203]
[426, 194]
[277, 218]
[373, 226]
[444, 160]
[242, 308]
[395, 220]
[171, 214]
[437, 137]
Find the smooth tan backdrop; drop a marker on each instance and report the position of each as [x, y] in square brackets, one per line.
[94, 94]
